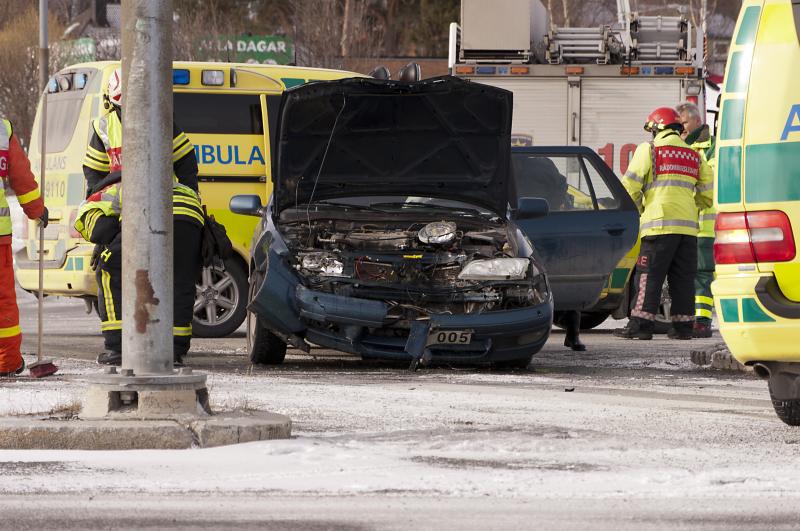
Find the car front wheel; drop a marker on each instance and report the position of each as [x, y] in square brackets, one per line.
[220, 302]
[263, 347]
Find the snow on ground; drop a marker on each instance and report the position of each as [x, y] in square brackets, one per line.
[544, 434]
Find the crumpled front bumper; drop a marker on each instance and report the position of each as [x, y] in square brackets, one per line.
[363, 326]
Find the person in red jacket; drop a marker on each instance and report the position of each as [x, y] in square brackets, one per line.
[15, 173]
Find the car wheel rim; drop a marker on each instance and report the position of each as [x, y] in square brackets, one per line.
[216, 297]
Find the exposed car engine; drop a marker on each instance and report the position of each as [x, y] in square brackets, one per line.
[440, 266]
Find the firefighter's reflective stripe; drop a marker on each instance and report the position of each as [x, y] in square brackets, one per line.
[11, 331]
[672, 182]
[97, 160]
[108, 297]
[675, 182]
[669, 223]
[186, 204]
[33, 195]
[5, 144]
[110, 325]
[180, 147]
[634, 177]
[703, 306]
[182, 331]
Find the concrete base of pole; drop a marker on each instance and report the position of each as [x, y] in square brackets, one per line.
[126, 412]
[155, 397]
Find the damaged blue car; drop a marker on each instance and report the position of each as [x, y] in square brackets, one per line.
[394, 230]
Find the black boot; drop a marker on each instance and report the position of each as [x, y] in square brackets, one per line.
[681, 330]
[110, 357]
[636, 329]
[571, 321]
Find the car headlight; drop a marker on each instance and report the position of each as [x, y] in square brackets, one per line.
[324, 264]
[495, 269]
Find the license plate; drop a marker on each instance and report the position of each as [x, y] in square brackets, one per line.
[449, 337]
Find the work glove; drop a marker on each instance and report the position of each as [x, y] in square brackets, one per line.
[95, 256]
[44, 218]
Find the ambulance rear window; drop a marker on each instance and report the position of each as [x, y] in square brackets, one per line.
[226, 114]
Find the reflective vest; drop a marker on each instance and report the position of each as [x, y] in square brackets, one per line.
[708, 216]
[668, 181]
[109, 129]
[108, 202]
[5, 211]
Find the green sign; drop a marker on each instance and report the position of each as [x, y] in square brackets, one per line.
[263, 49]
[76, 51]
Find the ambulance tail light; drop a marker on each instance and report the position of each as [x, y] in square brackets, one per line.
[750, 237]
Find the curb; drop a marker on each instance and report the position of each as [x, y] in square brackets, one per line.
[28, 433]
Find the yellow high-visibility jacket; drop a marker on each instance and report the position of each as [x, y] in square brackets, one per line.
[706, 149]
[669, 182]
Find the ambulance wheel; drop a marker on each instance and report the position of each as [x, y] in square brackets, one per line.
[220, 304]
[787, 410]
[263, 347]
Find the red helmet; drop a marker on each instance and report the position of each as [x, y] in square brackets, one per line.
[660, 118]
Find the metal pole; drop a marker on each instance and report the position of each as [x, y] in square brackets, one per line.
[147, 187]
[44, 75]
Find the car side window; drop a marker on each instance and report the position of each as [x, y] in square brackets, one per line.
[562, 180]
[602, 193]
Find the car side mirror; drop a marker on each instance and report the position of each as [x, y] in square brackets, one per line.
[532, 207]
[248, 205]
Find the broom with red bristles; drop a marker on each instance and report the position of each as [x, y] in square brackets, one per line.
[42, 367]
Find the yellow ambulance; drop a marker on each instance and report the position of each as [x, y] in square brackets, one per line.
[757, 188]
[228, 111]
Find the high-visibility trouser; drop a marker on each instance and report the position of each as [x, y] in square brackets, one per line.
[109, 296]
[672, 257]
[186, 263]
[10, 333]
[187, 268]
[703, 300]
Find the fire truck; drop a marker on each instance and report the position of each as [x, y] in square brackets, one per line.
[589, 86]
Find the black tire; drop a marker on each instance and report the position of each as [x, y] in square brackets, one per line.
[591, 320]
[225, 320]
[263, 347]
[520, 363]
[787, 410]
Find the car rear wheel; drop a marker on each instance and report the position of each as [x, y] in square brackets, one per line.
[787, 410]
[220, 304]
[263, 347]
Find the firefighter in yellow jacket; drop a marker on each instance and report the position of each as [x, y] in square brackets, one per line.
[698, 136]
[669, 182]
[99, 221]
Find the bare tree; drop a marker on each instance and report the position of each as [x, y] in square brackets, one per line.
[19, 64]
[326, 36]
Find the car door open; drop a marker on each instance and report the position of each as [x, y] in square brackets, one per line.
[592, 222]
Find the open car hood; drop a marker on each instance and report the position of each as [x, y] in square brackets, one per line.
[443, 137]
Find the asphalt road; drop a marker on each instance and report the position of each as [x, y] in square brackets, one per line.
[629, 435]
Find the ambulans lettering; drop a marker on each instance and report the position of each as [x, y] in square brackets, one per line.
[792, 122]
[216, 154]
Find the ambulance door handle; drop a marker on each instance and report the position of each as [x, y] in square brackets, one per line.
[614, 230]
[574, 122]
